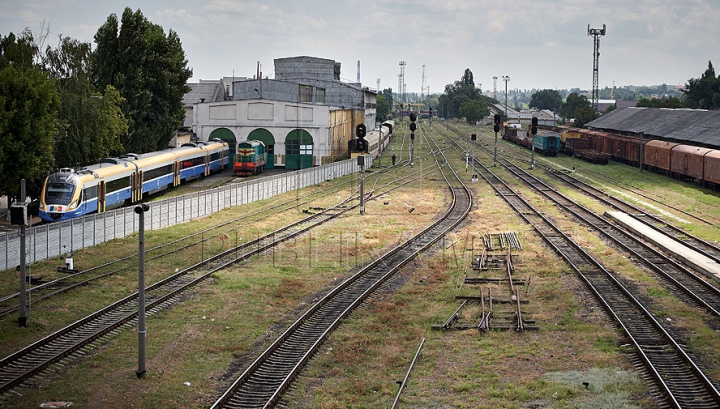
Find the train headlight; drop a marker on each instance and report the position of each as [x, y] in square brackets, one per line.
[73, 205]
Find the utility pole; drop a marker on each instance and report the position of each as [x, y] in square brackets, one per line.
[596, 33]
[495, 87]
[18, 217]
[506, 78]
[402, 80]
[422, 87]
[142, 331]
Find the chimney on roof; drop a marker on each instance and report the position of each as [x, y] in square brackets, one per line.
[358, 79]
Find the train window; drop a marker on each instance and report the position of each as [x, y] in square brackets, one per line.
[192, 162]
[117, 184]
[215, 156]
[59, 193]
[90, 192]
[157, 172]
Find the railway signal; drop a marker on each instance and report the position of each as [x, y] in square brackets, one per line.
[533, 131]
[496, 128]
[360, 131]
[412, 138]
[534, 124]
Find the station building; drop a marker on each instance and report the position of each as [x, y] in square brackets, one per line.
[305, 115]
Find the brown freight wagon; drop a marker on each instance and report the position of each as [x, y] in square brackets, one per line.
[628, 148]
[688, 161]
[711, 170]
[656, 154]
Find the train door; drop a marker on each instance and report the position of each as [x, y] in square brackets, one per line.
[101, 196]
[264, 136]
[139, 193]
[133, 187]
[176, 173]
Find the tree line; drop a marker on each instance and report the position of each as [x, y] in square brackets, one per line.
[72, 104]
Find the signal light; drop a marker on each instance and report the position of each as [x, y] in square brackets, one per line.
[534, 123]
[497, 120]
[430, 111]
[412, 117]
[360, 131]
[473, 137]
[413, 127]
[496, 128]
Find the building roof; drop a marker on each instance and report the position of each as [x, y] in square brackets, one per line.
[205, 90]
[696, 126]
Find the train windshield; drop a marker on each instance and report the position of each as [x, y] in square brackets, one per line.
[59, 193]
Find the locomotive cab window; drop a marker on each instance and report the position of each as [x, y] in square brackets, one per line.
[59, 193]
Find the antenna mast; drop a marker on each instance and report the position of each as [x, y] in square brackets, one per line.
[422, 88]
[596, 33]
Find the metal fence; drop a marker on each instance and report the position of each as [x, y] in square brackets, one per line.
[56, 239]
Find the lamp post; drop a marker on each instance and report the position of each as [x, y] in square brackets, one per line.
[506, 78]
[142, 331]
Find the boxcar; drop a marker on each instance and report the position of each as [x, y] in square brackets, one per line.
[627, 148]
[688, 161]
[656, 155]
[711, 169]
[548, 144]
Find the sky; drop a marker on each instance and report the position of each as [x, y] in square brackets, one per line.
[538, 44]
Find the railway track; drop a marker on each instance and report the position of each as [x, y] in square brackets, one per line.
[679, 381]
[701, 246]
[33, 359]
[47, 290]
[264, 382]
[689, 286]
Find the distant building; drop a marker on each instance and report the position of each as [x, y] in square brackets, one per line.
[305, 115]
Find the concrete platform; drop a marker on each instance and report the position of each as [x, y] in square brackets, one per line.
[678, 249]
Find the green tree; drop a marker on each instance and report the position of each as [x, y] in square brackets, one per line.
[584, 115]
[28, 110]
[546, 99]
[459, 93]
[388, 95]
[474, 111]
[382, 109]
[671, 102]
[150, 71]
[572, 103]
[703, 92]
[90, 124]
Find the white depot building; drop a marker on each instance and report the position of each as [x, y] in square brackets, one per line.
[305, 115]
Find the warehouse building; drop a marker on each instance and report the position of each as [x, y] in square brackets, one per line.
[305, 115]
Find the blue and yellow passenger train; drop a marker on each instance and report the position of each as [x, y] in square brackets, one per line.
[116, 182]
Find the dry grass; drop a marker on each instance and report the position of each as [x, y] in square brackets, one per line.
[222, 325]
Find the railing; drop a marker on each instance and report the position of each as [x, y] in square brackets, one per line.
[58, 239]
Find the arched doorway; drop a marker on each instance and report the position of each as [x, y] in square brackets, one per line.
[298, 150]
[264, 136]
[226, 135]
